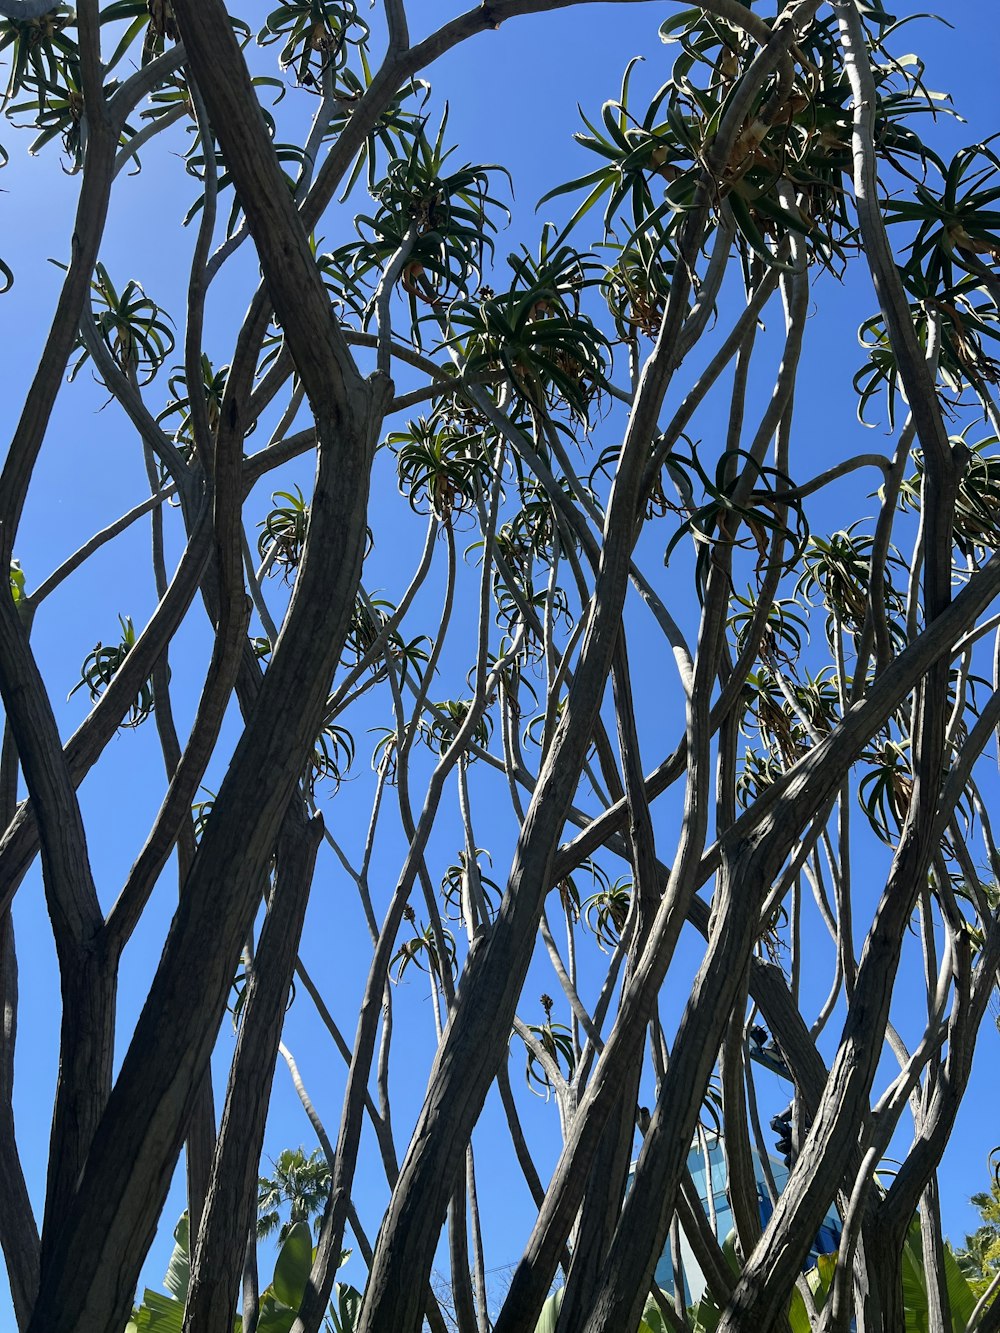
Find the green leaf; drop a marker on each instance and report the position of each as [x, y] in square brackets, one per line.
[275, 1318]
[652, 1319]
[159, 1314]
[752, 234]
[345, 1308]
[820, 1278]
[914, 1282]
[675, 28]
[704, 1316]
[549, 1317]
[961, 1297]
[16, 581]
[291, 1272]
[798, 1315]
[178, 1272]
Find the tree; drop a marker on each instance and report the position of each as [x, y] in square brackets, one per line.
[979, 1259]
[301, 1182]
[613, 419]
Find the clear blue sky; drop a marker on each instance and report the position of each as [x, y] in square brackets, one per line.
[513, 97]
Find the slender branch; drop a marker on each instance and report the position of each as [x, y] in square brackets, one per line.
[232, 1195]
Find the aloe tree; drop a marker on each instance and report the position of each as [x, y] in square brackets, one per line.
[679, 691]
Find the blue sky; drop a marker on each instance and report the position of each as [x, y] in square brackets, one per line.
[513, 98]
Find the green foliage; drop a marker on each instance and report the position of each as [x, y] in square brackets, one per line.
[279, 1301]
[368, 622]
[40, 50]
[786, 631]
[290, 155]
[315, 35]
[606, 912]
[442, 467]
[212, 388]
[178, 1274]
[454, 881]
[556, 1040]
[99, 669]
[704, 1316]
[154, 19]
[979, 1259]
[886, 789]
[522, 398]
[164, 1314]
[429, 950]
[954, 225]
[446, 719]
[285, 528]
[16, 582]
[57, 112]
[794, 144]
[158, 1314]
[535, 335]
[976, 507]
[299, 1183]
[636, 286]
[392, 131]
[132, 327]
[961, 1297]
[332, 756]
[438, 217]
[836, 573]
[720, 519]
[550, 1313]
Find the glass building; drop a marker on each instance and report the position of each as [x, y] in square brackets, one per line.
[707, 1164]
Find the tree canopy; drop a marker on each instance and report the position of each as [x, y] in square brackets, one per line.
[522, 648]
